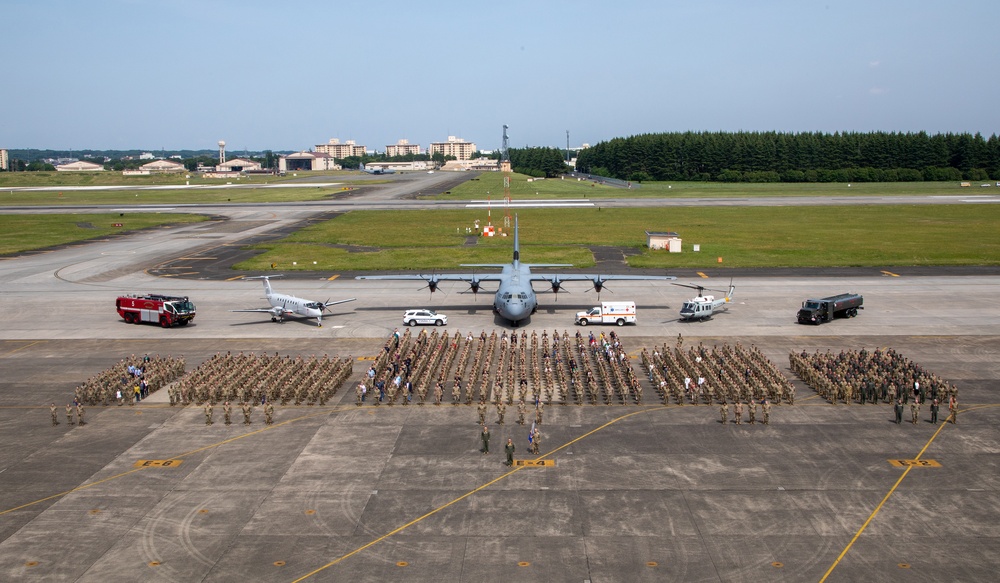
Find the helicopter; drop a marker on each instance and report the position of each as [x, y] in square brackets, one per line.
[702, 307]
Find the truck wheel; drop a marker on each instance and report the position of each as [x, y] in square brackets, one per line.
[137, 318]
[183, 322]
[128, 318]
[164, 322]
[620, 321]
[583, 322]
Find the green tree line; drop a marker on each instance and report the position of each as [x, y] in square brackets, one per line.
[795, 157]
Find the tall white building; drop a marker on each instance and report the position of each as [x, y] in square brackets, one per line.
[456, 147]
[335, 149]
[4, 160]
[402, 148]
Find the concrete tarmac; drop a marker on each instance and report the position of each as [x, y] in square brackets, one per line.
[340, 492]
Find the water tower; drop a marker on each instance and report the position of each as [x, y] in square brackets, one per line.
[222, 152]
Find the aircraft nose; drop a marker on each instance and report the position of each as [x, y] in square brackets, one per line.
[516, 311]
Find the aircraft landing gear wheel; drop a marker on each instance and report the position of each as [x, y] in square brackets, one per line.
[273, 319]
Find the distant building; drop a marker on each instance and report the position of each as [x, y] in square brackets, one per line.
[300, 161]
[480, 164]
[400, 166]
[147, 156]
[238, 165]
[402, 148]
[335, 149]
[162, 166]
[456, 147]
[80, 166]
[4, 160]
[668, 240]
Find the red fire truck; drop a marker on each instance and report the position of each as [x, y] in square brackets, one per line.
[164, 310]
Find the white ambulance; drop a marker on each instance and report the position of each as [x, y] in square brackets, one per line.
[619, 313]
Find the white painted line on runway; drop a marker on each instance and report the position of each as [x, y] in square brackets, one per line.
[538, 200]
[533, 205]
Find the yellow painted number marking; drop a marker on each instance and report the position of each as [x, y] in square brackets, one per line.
[915, 463]
[157, 463]
[534, 463]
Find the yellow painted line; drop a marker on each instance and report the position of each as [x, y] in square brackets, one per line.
[235, 278]
[22, 347]
[702, 275]
[875, 512]
[195, 258]
[333, 277]
[469, 493]
[915, 463]
[157, 463]
[890, 273]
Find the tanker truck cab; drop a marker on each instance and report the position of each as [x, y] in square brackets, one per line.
[619, 313]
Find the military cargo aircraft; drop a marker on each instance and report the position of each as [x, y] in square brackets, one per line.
[515, 299]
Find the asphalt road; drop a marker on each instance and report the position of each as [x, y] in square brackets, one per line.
[339, 492]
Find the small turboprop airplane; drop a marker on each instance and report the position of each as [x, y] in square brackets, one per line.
[515, 299]
[284, 305]
[702, 307]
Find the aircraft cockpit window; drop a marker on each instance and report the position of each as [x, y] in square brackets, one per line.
[522, 296]
[506, 296]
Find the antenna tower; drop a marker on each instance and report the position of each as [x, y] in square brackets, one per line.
[505, 168]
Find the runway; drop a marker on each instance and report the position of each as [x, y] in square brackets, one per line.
[636, 493]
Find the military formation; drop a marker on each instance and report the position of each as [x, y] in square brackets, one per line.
[726, 375]
[871, 377]
[261, 378]
[501, 370]
[527, 370]
[131, 379]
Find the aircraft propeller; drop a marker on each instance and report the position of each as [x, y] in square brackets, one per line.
[599, 287]
[556, 287]
[432, 284]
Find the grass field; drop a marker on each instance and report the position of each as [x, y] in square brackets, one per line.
[19, 233]
[866, 235]
[520, 188]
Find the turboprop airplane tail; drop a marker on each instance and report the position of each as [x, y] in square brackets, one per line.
[267, 282]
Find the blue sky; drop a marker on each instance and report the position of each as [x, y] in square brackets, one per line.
[183, 74]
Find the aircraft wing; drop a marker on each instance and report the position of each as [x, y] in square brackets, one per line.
[268, 310]
[596, 277]
[466, 277]
[328, 304]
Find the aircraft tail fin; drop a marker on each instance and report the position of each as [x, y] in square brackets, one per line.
[517, 245]
[267, 282]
